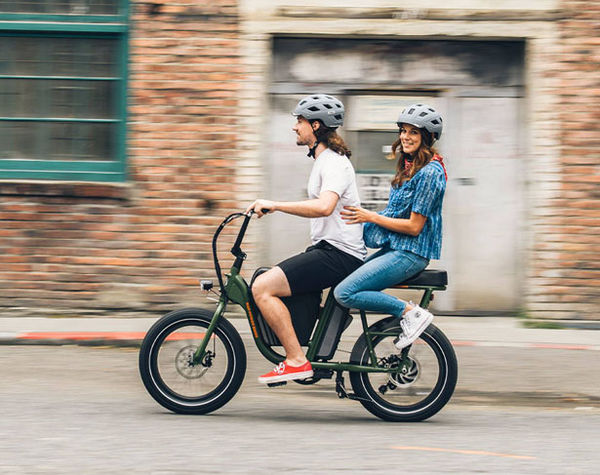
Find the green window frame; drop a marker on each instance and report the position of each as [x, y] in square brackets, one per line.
[63, 89]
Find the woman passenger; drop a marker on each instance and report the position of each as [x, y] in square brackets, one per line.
[408, 232]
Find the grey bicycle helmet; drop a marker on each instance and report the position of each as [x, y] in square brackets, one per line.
[323, 107]
[423, 117]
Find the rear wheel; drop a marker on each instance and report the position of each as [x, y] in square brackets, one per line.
[423, 377]
[170, 374]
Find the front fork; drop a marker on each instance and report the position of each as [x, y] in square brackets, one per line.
[200, 352]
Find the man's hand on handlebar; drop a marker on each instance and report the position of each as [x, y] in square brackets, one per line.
[261, 207]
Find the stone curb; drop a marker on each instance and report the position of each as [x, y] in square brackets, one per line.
[134, 339]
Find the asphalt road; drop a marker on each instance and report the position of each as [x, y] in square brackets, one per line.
[84, 410]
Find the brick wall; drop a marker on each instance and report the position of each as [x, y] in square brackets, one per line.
[578, 283]
[141, 247]
[193, 158]
[565, 266]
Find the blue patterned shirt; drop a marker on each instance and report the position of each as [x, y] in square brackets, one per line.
[423, 194]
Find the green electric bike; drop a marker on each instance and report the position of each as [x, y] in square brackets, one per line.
[193, 361]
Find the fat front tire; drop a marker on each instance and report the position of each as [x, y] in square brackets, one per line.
[425, 380]
[171, 377]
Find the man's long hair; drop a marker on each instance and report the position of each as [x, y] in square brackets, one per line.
[330, 137]
[425, 153]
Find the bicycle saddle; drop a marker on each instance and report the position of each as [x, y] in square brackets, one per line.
[428, 277]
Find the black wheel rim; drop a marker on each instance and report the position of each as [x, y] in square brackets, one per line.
[211, 382]
[424, 389]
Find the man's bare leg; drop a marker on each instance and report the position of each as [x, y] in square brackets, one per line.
[267, 290]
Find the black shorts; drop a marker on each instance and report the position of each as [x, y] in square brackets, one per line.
[319, 267]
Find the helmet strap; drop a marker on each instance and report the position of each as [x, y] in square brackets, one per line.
[312, 150]
[427, 137]
[315, 129]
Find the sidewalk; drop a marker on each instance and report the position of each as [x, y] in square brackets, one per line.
[500, 360]
[462, 331]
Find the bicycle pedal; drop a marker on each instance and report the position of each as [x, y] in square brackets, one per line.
[280, 383]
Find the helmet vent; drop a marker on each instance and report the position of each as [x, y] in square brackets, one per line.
[328, 106]
[435, 121]
[338, 116]
[411, 111]
[313, 109]
[423, 114]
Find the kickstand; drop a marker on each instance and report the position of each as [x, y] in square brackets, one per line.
[340, 389]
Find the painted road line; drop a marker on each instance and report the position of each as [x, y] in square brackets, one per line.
[78, 336]
[560, 347]
[81, 336]
[516, 344]
[466, 452]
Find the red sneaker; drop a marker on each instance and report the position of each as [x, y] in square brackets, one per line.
[286, 372]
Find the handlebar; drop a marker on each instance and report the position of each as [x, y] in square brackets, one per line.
[236, 250]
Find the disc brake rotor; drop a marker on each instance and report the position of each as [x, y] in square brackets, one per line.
[184, 363]
[407, 375]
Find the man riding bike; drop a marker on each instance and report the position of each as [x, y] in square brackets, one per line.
[337, 248]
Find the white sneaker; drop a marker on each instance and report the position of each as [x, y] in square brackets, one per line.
[414, 323]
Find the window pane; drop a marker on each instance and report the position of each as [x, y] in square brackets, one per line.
[21, 55]
[82, 99]
[73, 56]
[18, 139]
[25, 6]
[62, 7]
[57, 99]
[79, 141]
[57, 140]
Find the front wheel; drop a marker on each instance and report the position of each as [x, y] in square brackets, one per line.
[423, 377]
[170, 374]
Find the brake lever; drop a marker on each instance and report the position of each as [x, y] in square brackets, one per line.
[262, 210]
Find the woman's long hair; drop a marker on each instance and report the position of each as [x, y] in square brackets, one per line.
[408, 165]
[329, 137]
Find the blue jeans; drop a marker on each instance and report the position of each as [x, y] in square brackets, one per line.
[386, 267]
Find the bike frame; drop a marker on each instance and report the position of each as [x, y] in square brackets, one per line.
[236, 290]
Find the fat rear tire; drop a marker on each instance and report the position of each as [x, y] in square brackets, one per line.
[415, 396]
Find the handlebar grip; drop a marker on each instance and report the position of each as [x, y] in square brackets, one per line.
[262, 210]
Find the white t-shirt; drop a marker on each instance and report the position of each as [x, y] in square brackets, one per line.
[333, 172]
